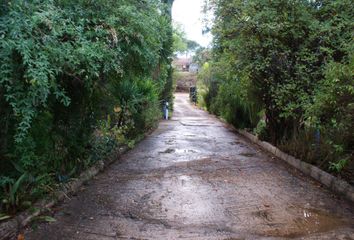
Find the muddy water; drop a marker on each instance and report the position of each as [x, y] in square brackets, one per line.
[193, 178]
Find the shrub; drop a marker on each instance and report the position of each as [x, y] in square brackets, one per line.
[294, 60]
[66, 69]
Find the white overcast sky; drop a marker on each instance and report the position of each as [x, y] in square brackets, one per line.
[189, 14]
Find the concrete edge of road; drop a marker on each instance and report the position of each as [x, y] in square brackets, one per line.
[335, 184]
[11, 228]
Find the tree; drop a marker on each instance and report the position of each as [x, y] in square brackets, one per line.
[287, 62]
[179, 39]
[182, 45]
[202, 55]
[77, 78]
[192, 46]
[279, 47]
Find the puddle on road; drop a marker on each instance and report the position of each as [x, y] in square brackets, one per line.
[307, 222]
[237, 143]
[248, 154]
[178, 151]
[196, 123]
[184, 180]
[170, 142]
[182, 151]
[190, 135]
[189, 201]
[190, 162]
[316, 221]
[168, 150]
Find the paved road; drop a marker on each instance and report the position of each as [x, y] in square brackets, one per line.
[193, 178]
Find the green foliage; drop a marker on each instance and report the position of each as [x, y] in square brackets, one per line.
[179, 39]
[333, 105]
[11, 187]
[181, 44]
[202, 88]
[206, 85]
[201, 56]
[233, 106]
[260, 129]
[77, 79]
[289, 63]
[192, 45]
[14, 192]
[338, 166]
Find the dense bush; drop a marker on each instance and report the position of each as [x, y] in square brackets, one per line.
[76, 79]
[288, 65]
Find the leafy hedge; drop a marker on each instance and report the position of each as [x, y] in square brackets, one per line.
[285, 69]
[76, 79]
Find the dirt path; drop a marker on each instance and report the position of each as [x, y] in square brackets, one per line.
[193, 178]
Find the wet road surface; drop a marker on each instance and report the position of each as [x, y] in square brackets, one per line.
[193, 178]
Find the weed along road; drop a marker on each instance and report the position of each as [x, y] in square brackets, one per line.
[194, 178]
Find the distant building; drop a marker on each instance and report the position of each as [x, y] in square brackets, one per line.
[193, 68]
[185, 65]
[182, 64]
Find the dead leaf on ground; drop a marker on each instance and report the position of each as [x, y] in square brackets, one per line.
[21, 237]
